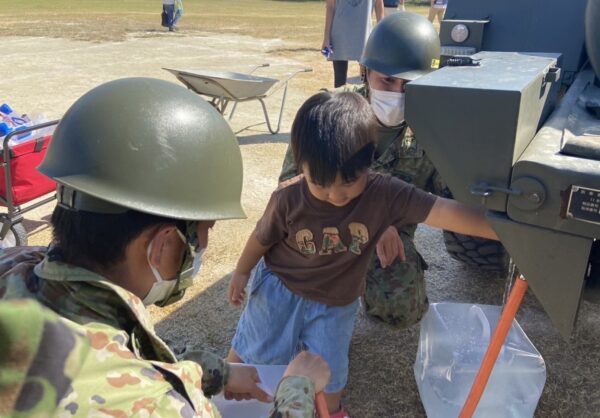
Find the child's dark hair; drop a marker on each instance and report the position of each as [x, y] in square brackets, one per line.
[334, 133]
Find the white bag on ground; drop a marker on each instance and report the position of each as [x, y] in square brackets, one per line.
[454, 338]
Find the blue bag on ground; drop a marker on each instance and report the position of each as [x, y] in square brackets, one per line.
[453, 341]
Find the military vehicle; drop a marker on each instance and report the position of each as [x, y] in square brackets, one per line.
[516, 128]
[472, 26]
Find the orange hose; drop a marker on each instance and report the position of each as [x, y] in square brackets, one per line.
[491, 355]
[321, 405]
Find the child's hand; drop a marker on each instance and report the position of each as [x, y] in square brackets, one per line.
[389, 247]
[237, 288]
[244, 383]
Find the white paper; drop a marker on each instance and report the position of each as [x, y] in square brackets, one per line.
[270, 376]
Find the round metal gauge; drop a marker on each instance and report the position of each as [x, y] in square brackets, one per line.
[459, 33]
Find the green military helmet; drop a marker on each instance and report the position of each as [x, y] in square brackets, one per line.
[148, 145]
[403, 45]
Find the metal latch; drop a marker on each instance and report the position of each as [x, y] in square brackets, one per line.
[527, 193]
[485, 190]
[552, 76]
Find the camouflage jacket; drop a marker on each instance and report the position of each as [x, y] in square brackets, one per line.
[113, 364]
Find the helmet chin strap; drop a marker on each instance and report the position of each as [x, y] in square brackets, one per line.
[74, 200]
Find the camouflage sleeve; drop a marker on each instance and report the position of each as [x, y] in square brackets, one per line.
[215, 371]
[39, 358]
[295, 398]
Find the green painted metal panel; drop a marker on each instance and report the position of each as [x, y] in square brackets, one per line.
[553, 263]
[475, 122]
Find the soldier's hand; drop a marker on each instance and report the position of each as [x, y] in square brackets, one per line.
[311, 366]
[243, 384]
[237, 288]
[389, 247]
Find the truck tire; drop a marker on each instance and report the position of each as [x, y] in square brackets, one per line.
[16, 237]
[479, 252]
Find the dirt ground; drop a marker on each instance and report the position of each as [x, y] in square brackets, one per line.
[46, 75]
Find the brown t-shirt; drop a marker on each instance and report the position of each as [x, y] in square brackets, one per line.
[320, 251]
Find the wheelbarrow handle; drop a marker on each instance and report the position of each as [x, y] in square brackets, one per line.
[266, 64]
[321, 405]
[284, 82]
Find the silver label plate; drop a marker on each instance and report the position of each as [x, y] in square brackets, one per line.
[584, 204]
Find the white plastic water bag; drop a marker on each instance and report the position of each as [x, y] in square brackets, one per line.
[453, 341]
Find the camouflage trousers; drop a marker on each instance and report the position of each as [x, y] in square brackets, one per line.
[396, 295]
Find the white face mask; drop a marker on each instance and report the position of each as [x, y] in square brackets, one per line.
[388, 106]
[161, 288]
[198, 255]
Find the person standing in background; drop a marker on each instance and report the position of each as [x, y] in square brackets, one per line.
[169, 10]
[178, 13]
[347, 28]
[437, 8]
[393, 6]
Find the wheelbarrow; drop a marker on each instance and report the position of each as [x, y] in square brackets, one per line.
[225, 87]
[21, 183]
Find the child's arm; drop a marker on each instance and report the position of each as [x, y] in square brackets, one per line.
[253, 251]
[458, 217]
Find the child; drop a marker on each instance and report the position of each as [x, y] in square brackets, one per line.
[317, 235]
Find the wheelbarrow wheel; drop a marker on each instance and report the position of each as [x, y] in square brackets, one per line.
[16, 237]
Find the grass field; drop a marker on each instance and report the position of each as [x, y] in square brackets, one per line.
[100, 20]
[297, 22]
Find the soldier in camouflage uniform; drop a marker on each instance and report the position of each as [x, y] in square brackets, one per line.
[139, 185]
[402, 47]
